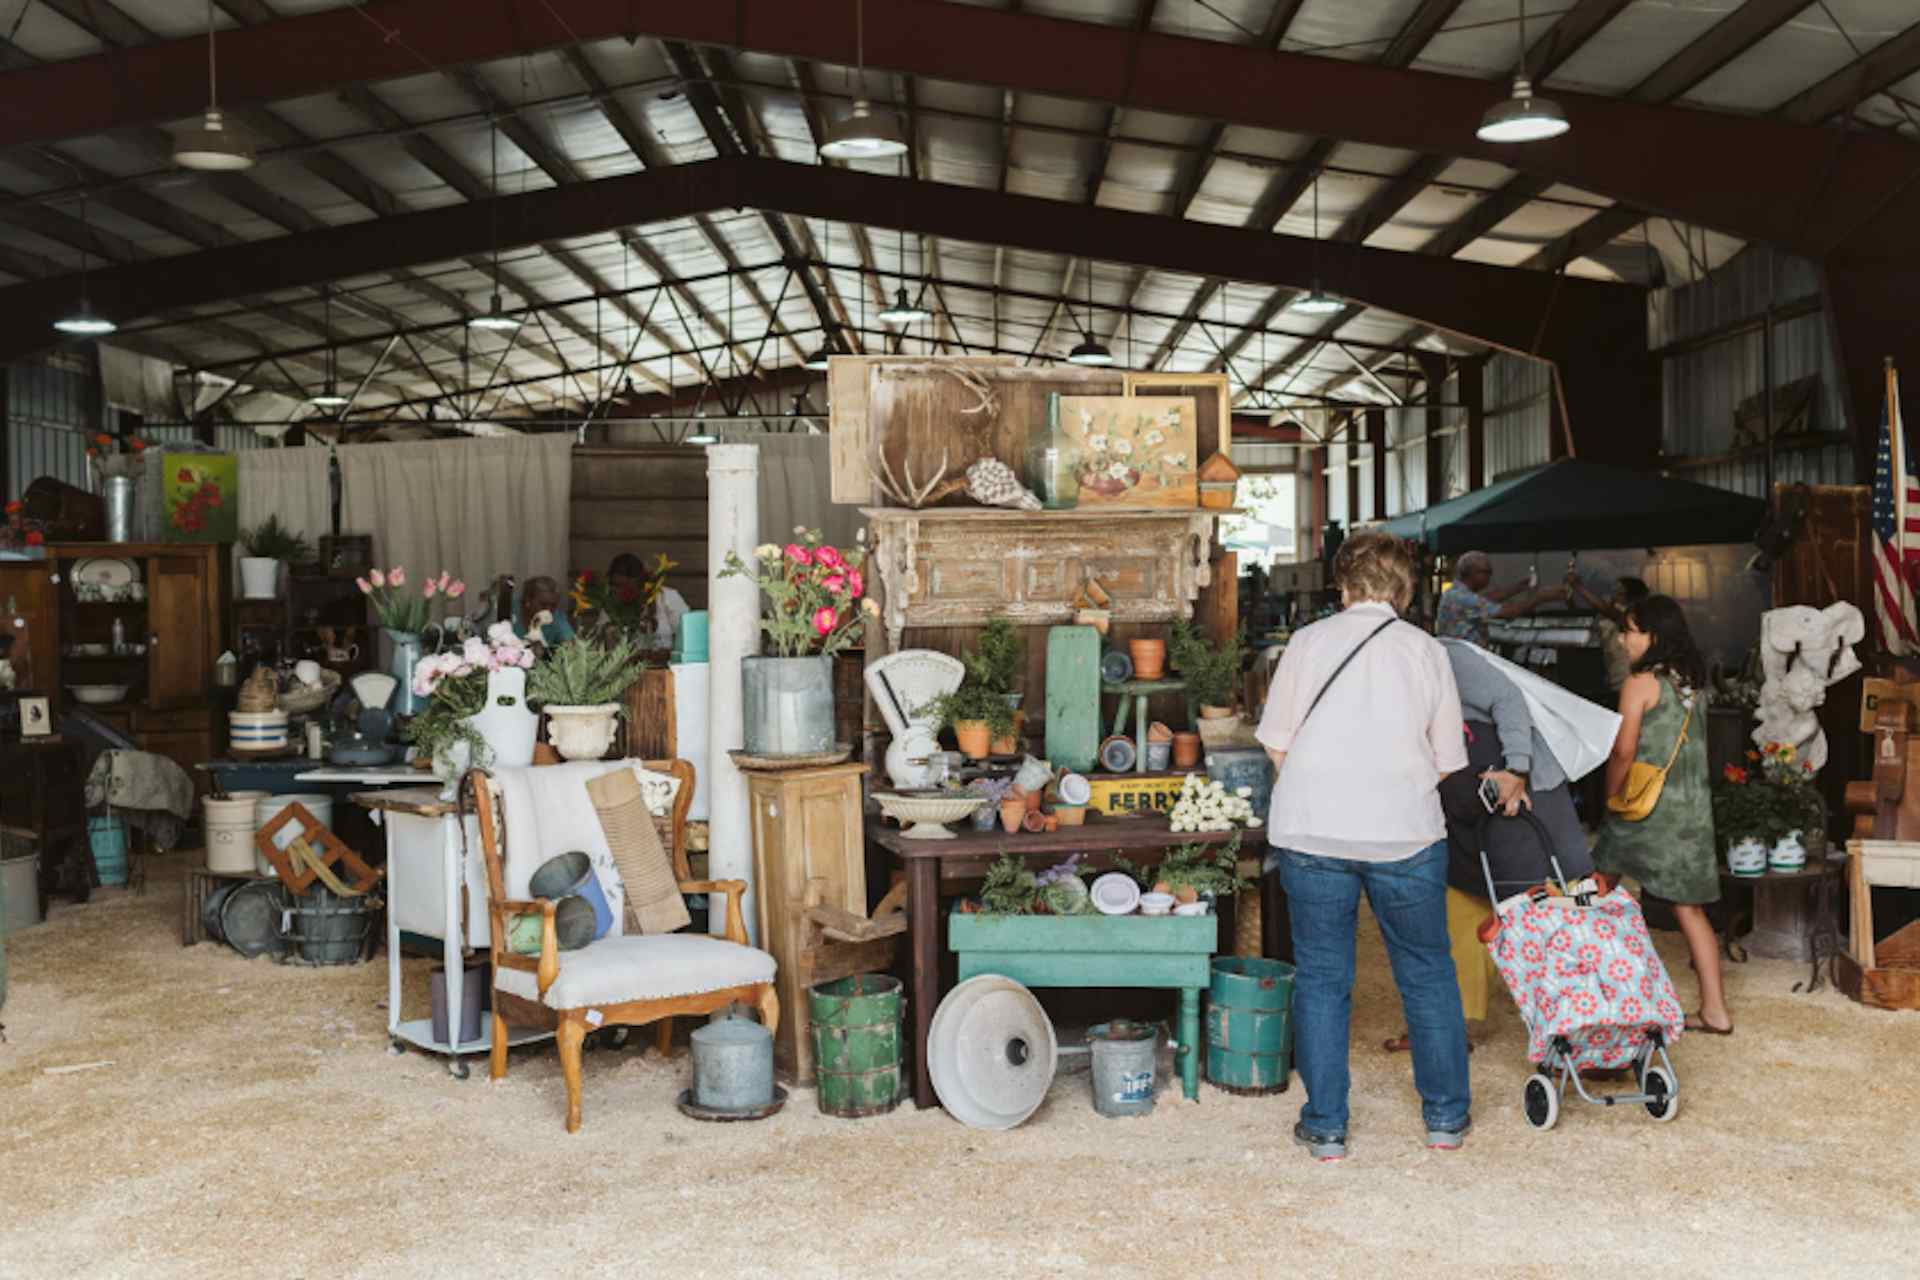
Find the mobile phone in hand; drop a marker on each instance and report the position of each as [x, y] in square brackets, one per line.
[1489, 794]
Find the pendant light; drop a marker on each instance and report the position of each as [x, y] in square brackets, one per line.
[1522, 117]
[903, 312]
[211, 148]
[330, 398]
[1090, 351]
[495, 318]
[818, 360]
[85, 322]
[864, 134]
[1317, 301]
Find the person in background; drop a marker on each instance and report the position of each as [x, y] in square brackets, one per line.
[1466, 606]
[627, 570]
[1627, 592]
[1670, 851]
[542, 595]
[1362, 723]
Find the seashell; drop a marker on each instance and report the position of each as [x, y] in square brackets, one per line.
[992, 483]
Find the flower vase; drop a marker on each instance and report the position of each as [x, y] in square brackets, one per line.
[1747, 858]
[450, 762]
[121, 493]
[406, 655]
[1053, 462]
[788, 705]
[507, 725]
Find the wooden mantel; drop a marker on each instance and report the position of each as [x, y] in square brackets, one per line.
[960, 567]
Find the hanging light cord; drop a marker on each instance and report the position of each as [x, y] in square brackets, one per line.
[1523, 39]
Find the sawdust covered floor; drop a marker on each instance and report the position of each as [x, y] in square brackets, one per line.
[252, 1123]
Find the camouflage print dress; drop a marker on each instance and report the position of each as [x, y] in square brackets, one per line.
[1670, 851]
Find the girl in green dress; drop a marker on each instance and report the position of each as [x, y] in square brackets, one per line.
[1670, 851]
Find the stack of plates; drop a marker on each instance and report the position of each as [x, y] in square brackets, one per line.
[257, 730]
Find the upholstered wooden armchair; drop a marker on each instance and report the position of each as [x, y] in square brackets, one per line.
[619, 980]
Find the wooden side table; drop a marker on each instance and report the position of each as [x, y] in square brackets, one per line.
[1138, 691]
[1794, 916]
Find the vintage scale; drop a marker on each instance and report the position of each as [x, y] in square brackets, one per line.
[903, 684]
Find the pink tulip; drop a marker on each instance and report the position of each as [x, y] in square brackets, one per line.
[829, 558]
[446, 579]
[379, 579]
[798, 554]
[824, 620]
[427, 589]
[835, 583]
[457, 590]
[856, 585]
[398, 578]
[366, 588]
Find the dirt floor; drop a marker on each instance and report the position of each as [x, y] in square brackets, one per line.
[252, 1123]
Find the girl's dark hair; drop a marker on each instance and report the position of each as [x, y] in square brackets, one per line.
[1672, 649]
[1634, 590]
[626, 565]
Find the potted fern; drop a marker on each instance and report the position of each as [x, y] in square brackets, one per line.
[1213, 679]
[978, 714]
[579, 687]
[267, 545]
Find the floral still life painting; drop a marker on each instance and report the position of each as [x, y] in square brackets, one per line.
[1132, 451]
[201, 496]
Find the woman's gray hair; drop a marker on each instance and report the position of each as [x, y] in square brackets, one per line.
[1472, 562]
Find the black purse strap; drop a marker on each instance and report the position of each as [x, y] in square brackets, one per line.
[1337, 670]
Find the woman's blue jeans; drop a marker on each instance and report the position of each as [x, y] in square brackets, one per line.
[1409, 899]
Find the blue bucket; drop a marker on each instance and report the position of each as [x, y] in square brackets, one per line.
[570, 874]
[108, 838]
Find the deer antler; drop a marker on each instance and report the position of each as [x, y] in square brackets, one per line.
[912, 494]
[976, 382]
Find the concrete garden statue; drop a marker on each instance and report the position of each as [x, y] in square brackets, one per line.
[1803, 650]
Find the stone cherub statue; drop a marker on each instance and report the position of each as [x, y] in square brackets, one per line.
[1802, 651]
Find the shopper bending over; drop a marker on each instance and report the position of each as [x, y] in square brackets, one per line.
[1466, 606]
[1363, 722]
[1627, 592]
[1670, 851]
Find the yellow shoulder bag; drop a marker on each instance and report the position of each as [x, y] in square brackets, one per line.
[1644, 781]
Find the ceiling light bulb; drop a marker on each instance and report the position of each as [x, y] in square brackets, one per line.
[818, 360]
[329, 399]
[211, 148]
[1316, 303]
[1522, 117]
[864, 135]
[703, 438]
[1090, 352]
[85, 323]
[902, 311]
[494, 319]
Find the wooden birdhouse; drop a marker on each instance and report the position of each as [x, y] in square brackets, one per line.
[1218, 477]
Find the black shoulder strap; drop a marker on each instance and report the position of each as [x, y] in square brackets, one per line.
[1342, 667]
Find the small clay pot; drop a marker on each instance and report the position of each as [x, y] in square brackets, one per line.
[1149, 658]
[1159, 731]
[1010, 745]
[1033, 799]
[1035, 821]
[1215, 713]
[1053, 822]
[1012, 811]
[1186, 750]
[973, 737]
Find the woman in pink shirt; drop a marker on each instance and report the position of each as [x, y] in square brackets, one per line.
[1362, 722]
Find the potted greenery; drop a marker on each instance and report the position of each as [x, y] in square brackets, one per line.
[1213, 678]
[978, 715]
[267, 545]
[996, 663]
[579, 687]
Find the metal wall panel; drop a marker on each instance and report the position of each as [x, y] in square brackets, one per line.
[37, 449]
[1737, 291]
[1830, 464]
[1519, 400]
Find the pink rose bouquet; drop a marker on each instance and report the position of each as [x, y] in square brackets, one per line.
[813, 593]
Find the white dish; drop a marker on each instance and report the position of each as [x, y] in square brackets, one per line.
[106, 571]
[1075, 789]
[97, 694]
[90, 650]
[1191, 909]
[1156, 904]
[1116, 894]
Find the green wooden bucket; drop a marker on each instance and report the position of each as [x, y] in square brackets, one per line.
[856, 1044]
[1250, 1025]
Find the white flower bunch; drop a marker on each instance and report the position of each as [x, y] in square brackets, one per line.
[1205, 805]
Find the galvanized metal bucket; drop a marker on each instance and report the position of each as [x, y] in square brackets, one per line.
[328, 929]
[1250, 1025]
[121, 493]
[1123, 1062]
[732, 1065]
[788, 705]
[856, 1044]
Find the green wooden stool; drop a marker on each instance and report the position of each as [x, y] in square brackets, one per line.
[1139, 691]
[1099, 951]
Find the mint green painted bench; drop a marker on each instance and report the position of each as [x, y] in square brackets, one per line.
[1098, 951]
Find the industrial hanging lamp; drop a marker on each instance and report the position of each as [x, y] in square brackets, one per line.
[85, 322]
[1090, 350]
[1317, 301]
[864, 134]
[903, 312]
[330, 398]
[1522, 117]
[211, 148]
[495, 319]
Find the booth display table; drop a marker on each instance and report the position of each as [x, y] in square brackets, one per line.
[1793, 915]
[1099, 951]
[436, 888]
[934, 865]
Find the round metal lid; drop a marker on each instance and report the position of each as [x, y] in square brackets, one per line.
[991, 1052]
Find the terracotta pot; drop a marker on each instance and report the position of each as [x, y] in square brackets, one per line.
[1215, 713]
[1186, 750]
[1032, 799]
[1010, 745]
[1035, 821]
[1013, 810]
[1149, 658]
[973, 737]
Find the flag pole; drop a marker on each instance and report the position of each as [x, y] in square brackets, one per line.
[1897, 445]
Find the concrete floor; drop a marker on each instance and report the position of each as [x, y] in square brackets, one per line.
[252, 1123]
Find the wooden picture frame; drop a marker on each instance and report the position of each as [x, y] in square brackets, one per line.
[1213, 422]
[36, 716]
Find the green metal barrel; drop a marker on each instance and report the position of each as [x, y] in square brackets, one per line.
[856, 1044]
[1250, 1025]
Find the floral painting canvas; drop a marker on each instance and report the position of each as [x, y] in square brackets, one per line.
[201, 497]
[1132, 451]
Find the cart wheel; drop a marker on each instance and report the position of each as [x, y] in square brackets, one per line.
[396, 1046]
[1665, 1104]
[1541, 1102]
[458, 1069]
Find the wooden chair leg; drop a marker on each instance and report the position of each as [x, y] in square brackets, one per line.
[571, 1033]
[663, 1037]
[769, 1005]
[497, 1063]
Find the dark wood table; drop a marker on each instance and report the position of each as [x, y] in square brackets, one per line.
[963, 860]
[1802, 905]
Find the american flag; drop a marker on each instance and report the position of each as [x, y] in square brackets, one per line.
[1896, 528]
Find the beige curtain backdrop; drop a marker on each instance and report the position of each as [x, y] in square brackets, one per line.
[795, 489]
[475, 508]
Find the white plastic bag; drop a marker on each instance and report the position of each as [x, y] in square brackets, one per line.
[1578, 732]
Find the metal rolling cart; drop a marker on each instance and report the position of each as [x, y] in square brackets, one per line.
[434, 881]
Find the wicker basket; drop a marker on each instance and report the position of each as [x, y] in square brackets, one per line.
[301, 700]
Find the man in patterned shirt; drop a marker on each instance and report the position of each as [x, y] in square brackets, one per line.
[1466, 606]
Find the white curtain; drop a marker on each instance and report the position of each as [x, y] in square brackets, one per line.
[796, 489]
[476, 508]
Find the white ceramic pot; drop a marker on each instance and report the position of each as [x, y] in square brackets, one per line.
[1747, 857]
[506, 724]
[450, 764]
[259, 577]
[1788, 854]
[582, 733]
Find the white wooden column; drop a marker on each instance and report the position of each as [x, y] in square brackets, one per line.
[733, 610]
